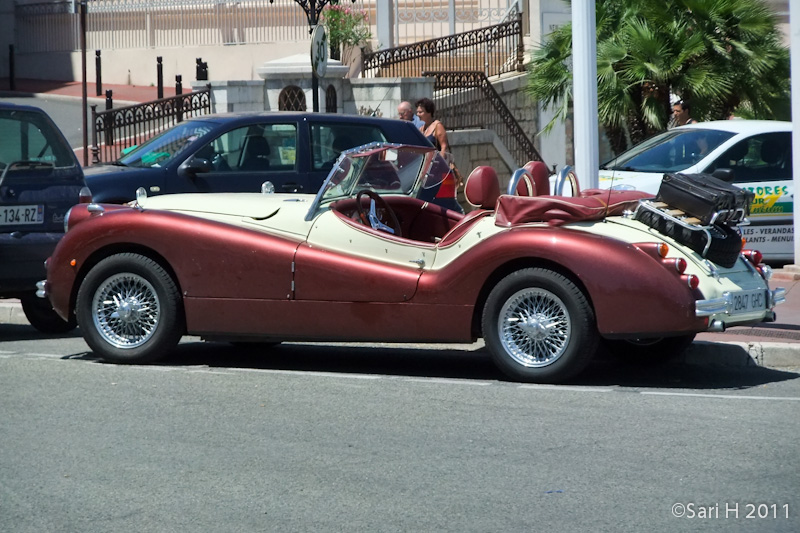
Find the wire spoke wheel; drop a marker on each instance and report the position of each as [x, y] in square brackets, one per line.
[126, 310]
[534, 327]
[130, 309]
[539, 326]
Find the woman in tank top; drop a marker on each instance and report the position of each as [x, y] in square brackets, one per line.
[432, 129]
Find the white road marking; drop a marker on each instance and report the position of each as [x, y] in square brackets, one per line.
[310, 373]
[448, 381]
[567, 388]
[725, 396]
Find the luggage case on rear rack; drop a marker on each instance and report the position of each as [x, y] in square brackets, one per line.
[705, 197]
[719, 243]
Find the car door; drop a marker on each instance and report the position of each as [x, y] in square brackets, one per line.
[346, 261]
[243, 158]
[763, 164]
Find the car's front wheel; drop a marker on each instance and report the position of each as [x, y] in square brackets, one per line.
[43, 317]
[130, 309]
[539, 326]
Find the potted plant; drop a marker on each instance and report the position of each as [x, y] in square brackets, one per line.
[345, 26]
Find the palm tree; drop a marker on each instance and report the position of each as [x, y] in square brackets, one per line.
[724, 56]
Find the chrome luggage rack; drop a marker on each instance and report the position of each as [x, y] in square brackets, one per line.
[728, 217]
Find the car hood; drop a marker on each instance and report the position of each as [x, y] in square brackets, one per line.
[283, 212]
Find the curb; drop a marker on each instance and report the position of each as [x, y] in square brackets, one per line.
[11, 313]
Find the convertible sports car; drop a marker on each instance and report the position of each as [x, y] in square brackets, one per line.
[543, 279]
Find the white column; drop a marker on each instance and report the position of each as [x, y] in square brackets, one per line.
[794, 36]
[584, 79]
[384, 25]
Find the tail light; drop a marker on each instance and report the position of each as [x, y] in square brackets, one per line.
[754, 256]
[678, 263]
[449, 186]
[85, 196]
[691, 280]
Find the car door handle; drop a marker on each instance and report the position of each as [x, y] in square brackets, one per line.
[291, 187]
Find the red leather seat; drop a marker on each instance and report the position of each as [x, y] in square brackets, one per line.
[482, 188]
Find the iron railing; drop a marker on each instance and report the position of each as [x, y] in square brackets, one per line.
[456, 92]
[114, 130]
[487, 50]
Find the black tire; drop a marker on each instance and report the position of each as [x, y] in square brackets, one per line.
[726, 242]
[525, 348]
[41, 315]
[649, 352]
[130, 310]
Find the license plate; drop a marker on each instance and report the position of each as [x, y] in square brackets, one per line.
[21, 214]
[748, 301]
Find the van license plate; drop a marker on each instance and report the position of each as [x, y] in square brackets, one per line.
[18, 215]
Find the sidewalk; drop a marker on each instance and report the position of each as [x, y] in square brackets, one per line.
[121, 94]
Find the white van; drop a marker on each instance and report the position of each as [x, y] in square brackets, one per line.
[758, 154]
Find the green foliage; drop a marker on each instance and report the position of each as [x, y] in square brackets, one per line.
[723, 56]
[346, 26]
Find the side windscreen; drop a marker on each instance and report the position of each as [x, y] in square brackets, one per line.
[764, 157]
[253, 148]
[329, 140]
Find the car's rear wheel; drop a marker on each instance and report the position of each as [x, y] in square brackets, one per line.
[539, 326]
[130, 309]
[43, 317]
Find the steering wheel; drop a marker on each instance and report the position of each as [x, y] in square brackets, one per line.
[378, 209]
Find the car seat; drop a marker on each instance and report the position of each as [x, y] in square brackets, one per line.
[536, 182]
[255, 155]
[482, 188]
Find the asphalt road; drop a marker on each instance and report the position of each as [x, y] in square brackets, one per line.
[380, 438]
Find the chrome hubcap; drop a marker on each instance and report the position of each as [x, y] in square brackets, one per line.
[126, 310]
[534, 327]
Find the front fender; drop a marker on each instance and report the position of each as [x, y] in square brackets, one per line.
[209, 259]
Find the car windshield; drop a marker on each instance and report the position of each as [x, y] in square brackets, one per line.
[160, 149]
[383, 168]
[671, 151]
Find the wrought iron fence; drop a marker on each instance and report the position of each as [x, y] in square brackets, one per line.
[493, 50]
[457, 92]
[114, 130]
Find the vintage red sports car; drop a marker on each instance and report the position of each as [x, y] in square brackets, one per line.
[543, 279]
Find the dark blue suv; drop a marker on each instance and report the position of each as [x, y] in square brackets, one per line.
[40, 179]
[238, 152]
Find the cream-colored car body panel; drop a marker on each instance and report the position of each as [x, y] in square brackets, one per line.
[330, 232]
[278, 214]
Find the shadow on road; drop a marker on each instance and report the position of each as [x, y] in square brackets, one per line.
[471, 364]
[25, 332]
